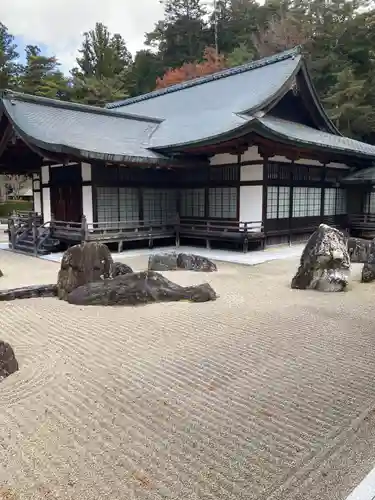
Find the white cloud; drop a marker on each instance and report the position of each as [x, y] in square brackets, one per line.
[59, 24]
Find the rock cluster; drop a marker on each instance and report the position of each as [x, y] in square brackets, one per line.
[358, 249]
[8, 361]
[173, 261]
[325, 263]
[138, 288]
[89, 276]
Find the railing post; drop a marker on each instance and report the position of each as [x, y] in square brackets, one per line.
[35, 236]
[84, 229]
[177, 230]
[246, 239]
[208, 243]
[12, 232]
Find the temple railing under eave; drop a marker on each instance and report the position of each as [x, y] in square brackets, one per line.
[362, 224]
[125, 231]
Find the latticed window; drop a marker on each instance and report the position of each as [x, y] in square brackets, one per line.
[107, 204]
[192, 203]
[223, 202]
[341, 202]
[272, 202]
[159, 205]
[306, 202]
[330, 201]
[227, 173]
[128, 204]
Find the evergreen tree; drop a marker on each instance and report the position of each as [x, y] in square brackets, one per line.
[9, 69]
[41, 75]
[182, 36]
[103, 72]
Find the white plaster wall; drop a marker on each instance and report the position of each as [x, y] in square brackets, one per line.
[251, 173]
[45, 174]
[87, 203]
[46, 205]
[37, 203]
[251, 198]
[251, 154]
[86, 172]
[223, 159]
[337, 165]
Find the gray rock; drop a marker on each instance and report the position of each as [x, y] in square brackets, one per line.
[138, 288]
[29, 292]
[358, 249]
[325, 263]
[162, 262]
[8, 361]
[193, 262]
[1, 273]
[368, 270]
[83, 264]
[120, 269]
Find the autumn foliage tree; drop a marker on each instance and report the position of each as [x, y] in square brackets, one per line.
[212, 62]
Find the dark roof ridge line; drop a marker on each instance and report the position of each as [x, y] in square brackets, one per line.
[260, 63]
[74, 106]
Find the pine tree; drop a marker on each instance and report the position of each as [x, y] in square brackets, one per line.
[9, 69]
[103, 72]
[182, 36]
[41, 75]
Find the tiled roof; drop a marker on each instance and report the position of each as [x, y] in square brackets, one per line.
[297, 133]
[197, 84]
[85, 131]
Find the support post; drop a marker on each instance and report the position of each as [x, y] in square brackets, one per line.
[12, 232]
[34, 229]
[208, 243]
[246, 240]
[177, 231]
[84, 229]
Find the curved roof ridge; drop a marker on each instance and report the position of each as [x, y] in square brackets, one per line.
[74, 106]
[259, 63]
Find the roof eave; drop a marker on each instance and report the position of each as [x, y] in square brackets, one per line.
[265, 132]
[271, 101]
[318, 105]
[62, 149]
[234, 133]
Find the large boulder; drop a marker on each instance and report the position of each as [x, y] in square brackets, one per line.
[82, 264]
[359, 250]
[120, 269]
[193, 262]
[325, 263]
[173, 261]
[8, 361]
[162, 262]
[138, 288]
[368, 270]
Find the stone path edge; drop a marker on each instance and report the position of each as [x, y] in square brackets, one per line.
[366, 488]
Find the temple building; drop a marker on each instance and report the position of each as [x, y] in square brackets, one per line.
[244, 155]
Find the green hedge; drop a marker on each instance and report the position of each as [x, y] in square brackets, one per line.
[8, 207]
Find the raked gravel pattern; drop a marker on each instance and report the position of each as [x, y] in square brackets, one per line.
[267, 393]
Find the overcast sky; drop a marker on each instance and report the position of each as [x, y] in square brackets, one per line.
[57, 25]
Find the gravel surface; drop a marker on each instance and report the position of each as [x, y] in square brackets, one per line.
[267, 393]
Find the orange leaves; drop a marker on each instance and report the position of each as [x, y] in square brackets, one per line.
[212, 62]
